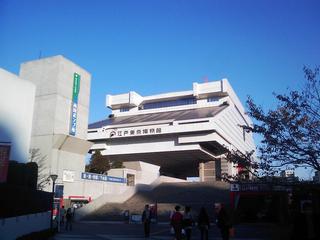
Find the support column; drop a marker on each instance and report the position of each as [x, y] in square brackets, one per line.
[225, 167]
[207, 171]
[201, 172]
[214, 170]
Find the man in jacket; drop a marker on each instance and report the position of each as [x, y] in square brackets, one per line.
[223, 221]
[146, 219]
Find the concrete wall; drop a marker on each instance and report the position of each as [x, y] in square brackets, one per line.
[120, 197]
[145, 173]
[68, 161]
[90, 188]
[103, 199]
[11, 228]
[16, 111]
[54, 78]
[96, 188]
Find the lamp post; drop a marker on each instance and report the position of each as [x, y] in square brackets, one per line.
[53, 178]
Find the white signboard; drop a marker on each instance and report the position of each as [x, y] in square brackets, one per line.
[68, 176]
[234, 187]
[131, 132]
[135, 218]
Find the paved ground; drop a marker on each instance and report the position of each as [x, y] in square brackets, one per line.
[120, 231]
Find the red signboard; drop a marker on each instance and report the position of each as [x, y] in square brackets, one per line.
[4, 161]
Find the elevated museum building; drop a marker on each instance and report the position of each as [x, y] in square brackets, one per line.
[186, 133]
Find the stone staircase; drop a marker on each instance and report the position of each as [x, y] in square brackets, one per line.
[167, 195]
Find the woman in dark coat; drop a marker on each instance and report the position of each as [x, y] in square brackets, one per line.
[223, 221]
[176, 223]
[203, 223]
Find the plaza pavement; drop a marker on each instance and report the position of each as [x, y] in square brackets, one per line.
[94, 230]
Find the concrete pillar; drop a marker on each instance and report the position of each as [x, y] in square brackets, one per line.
[207, 171]
[201, 172]
[214, 170]
[225, 166]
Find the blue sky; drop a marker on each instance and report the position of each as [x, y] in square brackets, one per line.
[155, 46]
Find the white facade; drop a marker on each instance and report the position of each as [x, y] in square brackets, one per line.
[16, 112]
[177, 131]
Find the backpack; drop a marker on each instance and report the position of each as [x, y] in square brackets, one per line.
[176, 218]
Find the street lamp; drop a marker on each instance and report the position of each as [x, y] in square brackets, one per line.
[53, 178]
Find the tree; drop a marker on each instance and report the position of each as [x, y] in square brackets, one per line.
[290, 132]
[116, 164]
[98, 163]
[246, 164]
[40, 160]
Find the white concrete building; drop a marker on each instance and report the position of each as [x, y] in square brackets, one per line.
[46, 108]
[60, 117]
[186, 133]
[16, 112]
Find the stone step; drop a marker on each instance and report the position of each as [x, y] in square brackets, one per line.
[167, 195]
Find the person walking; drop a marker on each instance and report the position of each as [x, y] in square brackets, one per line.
[69, 219]
[62, 215]
[187, 222]
[176, 223]
[203, 223]
[223, 221]
[146, 219]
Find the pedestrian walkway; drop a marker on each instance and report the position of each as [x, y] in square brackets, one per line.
[120, 231]
[119, 237]
[64, 236]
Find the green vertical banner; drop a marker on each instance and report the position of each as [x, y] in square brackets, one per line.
[74, 106]
[76, 87]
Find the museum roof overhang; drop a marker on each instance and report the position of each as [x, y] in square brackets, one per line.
[144, 119]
